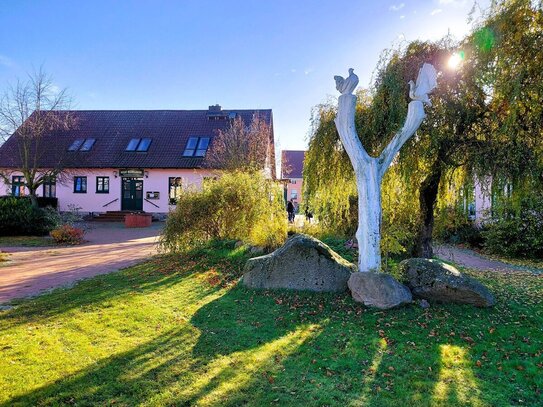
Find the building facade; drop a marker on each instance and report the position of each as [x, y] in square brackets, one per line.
[127, 160]
[292, 165]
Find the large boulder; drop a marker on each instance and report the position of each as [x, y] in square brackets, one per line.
[303, 263]
[433, 280]
[378, 290]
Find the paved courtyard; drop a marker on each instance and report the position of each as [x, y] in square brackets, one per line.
[110, 247]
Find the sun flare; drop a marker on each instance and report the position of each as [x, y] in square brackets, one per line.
[454, 60]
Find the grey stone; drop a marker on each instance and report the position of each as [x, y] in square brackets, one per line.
[378, 290]
[436, 281]
[424, 304]
[303, 263]
[238, 243]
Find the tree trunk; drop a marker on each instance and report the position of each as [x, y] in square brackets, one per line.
[369, 174]
[368, 234]
[427, 200]
[33, 197]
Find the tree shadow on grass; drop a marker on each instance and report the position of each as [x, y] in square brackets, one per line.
[353, 355]
[285, 348]
[126, 379]
[179, 366]
[156, 274]
[261, 348]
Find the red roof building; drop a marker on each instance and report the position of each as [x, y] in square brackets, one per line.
[127, 159]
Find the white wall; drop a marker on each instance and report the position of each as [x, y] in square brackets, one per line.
[155, 181]
[483, 198]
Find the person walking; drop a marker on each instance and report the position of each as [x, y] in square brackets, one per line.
[290, 211]
[308, 214]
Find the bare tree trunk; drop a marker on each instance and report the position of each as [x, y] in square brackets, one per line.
[368, 234]
[33, 198]
[427, 201]
[30, 184]
[369, 173]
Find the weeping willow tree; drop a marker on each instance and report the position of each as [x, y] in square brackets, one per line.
[486, 122]
[502, 70]
[505, 51]
[329, 186]
[417, 169]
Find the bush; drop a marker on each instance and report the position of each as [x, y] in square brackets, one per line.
[516, 231]
[19, 217]
[239, 206]
[67, 234]
[47, 202]
[453, 226]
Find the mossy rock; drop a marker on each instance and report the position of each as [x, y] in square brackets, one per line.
[302, 263]
[435, 281]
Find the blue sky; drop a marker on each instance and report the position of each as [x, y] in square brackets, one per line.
[279, 54]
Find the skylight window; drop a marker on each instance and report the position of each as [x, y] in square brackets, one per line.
[82, 144]
[202, 147]
[87, 144]
[133, 144]
[196, 147]
[139, 144]
[144, 144]
[76, 144]
[191, 147]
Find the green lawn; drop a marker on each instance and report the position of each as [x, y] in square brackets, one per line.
[27, 241]
[181, 332]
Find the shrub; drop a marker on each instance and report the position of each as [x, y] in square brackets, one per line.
[516, 230]
[239, 206]
[67, 234]
[19, 217]
[47, 202]
[72, 216]
[453, 226]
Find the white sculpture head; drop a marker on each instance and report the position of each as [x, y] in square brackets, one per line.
[346, 86]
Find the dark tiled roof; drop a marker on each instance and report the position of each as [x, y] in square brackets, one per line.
[292, 163]
[113, 129]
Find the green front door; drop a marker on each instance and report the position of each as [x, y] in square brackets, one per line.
[132, 194]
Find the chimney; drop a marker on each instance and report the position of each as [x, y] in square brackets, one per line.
[215, 113]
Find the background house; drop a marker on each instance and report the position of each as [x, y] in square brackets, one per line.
[292, 166]
[133, 160]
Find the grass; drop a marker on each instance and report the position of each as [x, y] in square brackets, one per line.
[26, 241]
[180, 331]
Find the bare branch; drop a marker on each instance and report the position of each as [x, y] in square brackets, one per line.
[347, 132]
[415, 116]
[28, 111]
[241, 146]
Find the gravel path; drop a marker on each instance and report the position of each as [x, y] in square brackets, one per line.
[470, 259]
[109, 247]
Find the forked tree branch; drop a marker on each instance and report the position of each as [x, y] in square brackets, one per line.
[353, 146]
[347, 132]
[415, 116]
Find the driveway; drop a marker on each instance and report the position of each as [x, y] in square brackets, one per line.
[110, 247]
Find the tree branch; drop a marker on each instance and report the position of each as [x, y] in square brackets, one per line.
[415, 116]
[347, 132]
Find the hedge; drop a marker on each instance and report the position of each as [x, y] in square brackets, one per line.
[19, 217]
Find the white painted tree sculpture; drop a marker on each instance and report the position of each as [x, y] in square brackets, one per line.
[369, 170]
